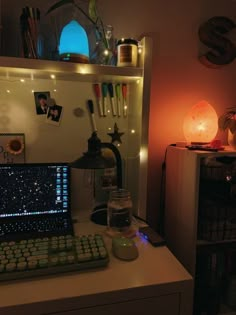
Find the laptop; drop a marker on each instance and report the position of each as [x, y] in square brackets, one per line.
[34, 200]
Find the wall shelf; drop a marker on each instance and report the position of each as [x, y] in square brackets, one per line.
[43, 69]
[71, 88]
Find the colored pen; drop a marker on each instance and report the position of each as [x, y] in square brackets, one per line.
[104, 95]
[98, 97]
[111, 93]
[124, 94]
[117, 88]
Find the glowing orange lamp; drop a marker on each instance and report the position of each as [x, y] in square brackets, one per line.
[200, 124]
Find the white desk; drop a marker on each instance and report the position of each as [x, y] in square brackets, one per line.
[154, 281]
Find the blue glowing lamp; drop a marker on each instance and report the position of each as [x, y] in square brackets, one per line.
[74, 43]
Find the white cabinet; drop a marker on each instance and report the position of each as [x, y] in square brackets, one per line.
[200, 221]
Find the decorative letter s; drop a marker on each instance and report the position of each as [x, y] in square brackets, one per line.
[210, 34]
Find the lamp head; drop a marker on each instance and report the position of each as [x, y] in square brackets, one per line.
[92, 159]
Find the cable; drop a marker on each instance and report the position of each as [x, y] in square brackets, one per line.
[136, 217]
[161, 220]
[99, 210]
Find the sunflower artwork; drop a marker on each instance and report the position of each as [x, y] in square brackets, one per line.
[12, 148]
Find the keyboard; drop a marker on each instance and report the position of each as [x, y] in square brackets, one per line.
[37, 226]
[51, 255]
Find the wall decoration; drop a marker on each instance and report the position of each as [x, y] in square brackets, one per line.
[78, 112]
[211, 33]
[12, 148]
[54, 115]
[41, 102]
[116, 135]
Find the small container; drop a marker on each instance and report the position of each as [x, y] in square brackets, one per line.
[127, 52]
[119, 212]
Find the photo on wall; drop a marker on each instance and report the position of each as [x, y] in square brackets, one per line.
[41, 102]
[54, 115]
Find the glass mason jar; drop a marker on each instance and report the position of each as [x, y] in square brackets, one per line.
[119, 212]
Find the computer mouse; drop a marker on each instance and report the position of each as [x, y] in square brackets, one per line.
[124, 248]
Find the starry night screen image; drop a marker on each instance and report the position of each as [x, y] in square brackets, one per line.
[33, 189]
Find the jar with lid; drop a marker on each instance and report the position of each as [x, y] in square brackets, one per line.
[127, 52]
[119, 212]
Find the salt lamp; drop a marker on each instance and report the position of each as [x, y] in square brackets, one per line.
[200, 124]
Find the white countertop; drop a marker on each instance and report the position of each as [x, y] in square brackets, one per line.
[154, 267]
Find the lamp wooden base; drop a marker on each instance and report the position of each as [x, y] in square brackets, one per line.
[74, 58]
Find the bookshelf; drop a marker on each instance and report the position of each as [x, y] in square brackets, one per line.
[200, 223]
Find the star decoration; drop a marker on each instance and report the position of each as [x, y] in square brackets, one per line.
[116, 135]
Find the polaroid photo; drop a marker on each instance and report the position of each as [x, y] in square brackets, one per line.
[41, 102]
[54, 115]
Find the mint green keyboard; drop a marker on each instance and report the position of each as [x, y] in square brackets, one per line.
[51, 255]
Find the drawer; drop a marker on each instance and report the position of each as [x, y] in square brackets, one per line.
[163, 305]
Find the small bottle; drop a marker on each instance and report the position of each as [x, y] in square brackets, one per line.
[127, 52]
[119, 212]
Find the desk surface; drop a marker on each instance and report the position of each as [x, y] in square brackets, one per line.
[154, 267]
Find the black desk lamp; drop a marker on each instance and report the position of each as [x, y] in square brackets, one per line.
[93, 159]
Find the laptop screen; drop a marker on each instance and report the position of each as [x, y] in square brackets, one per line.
[34, 189]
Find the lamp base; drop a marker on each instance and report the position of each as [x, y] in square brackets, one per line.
[99, 214]
[201, 148]
[199, 143]
[74, 58]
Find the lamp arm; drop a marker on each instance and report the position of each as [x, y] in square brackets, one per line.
[116, 152]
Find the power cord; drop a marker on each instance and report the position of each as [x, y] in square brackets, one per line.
[161, 221]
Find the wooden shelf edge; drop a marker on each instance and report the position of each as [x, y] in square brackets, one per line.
[203, 243]
[12, 66]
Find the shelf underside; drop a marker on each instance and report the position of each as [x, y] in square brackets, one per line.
[43, 69]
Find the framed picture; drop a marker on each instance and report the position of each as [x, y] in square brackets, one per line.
[12, 148]
[41, 102]
[54, 115]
